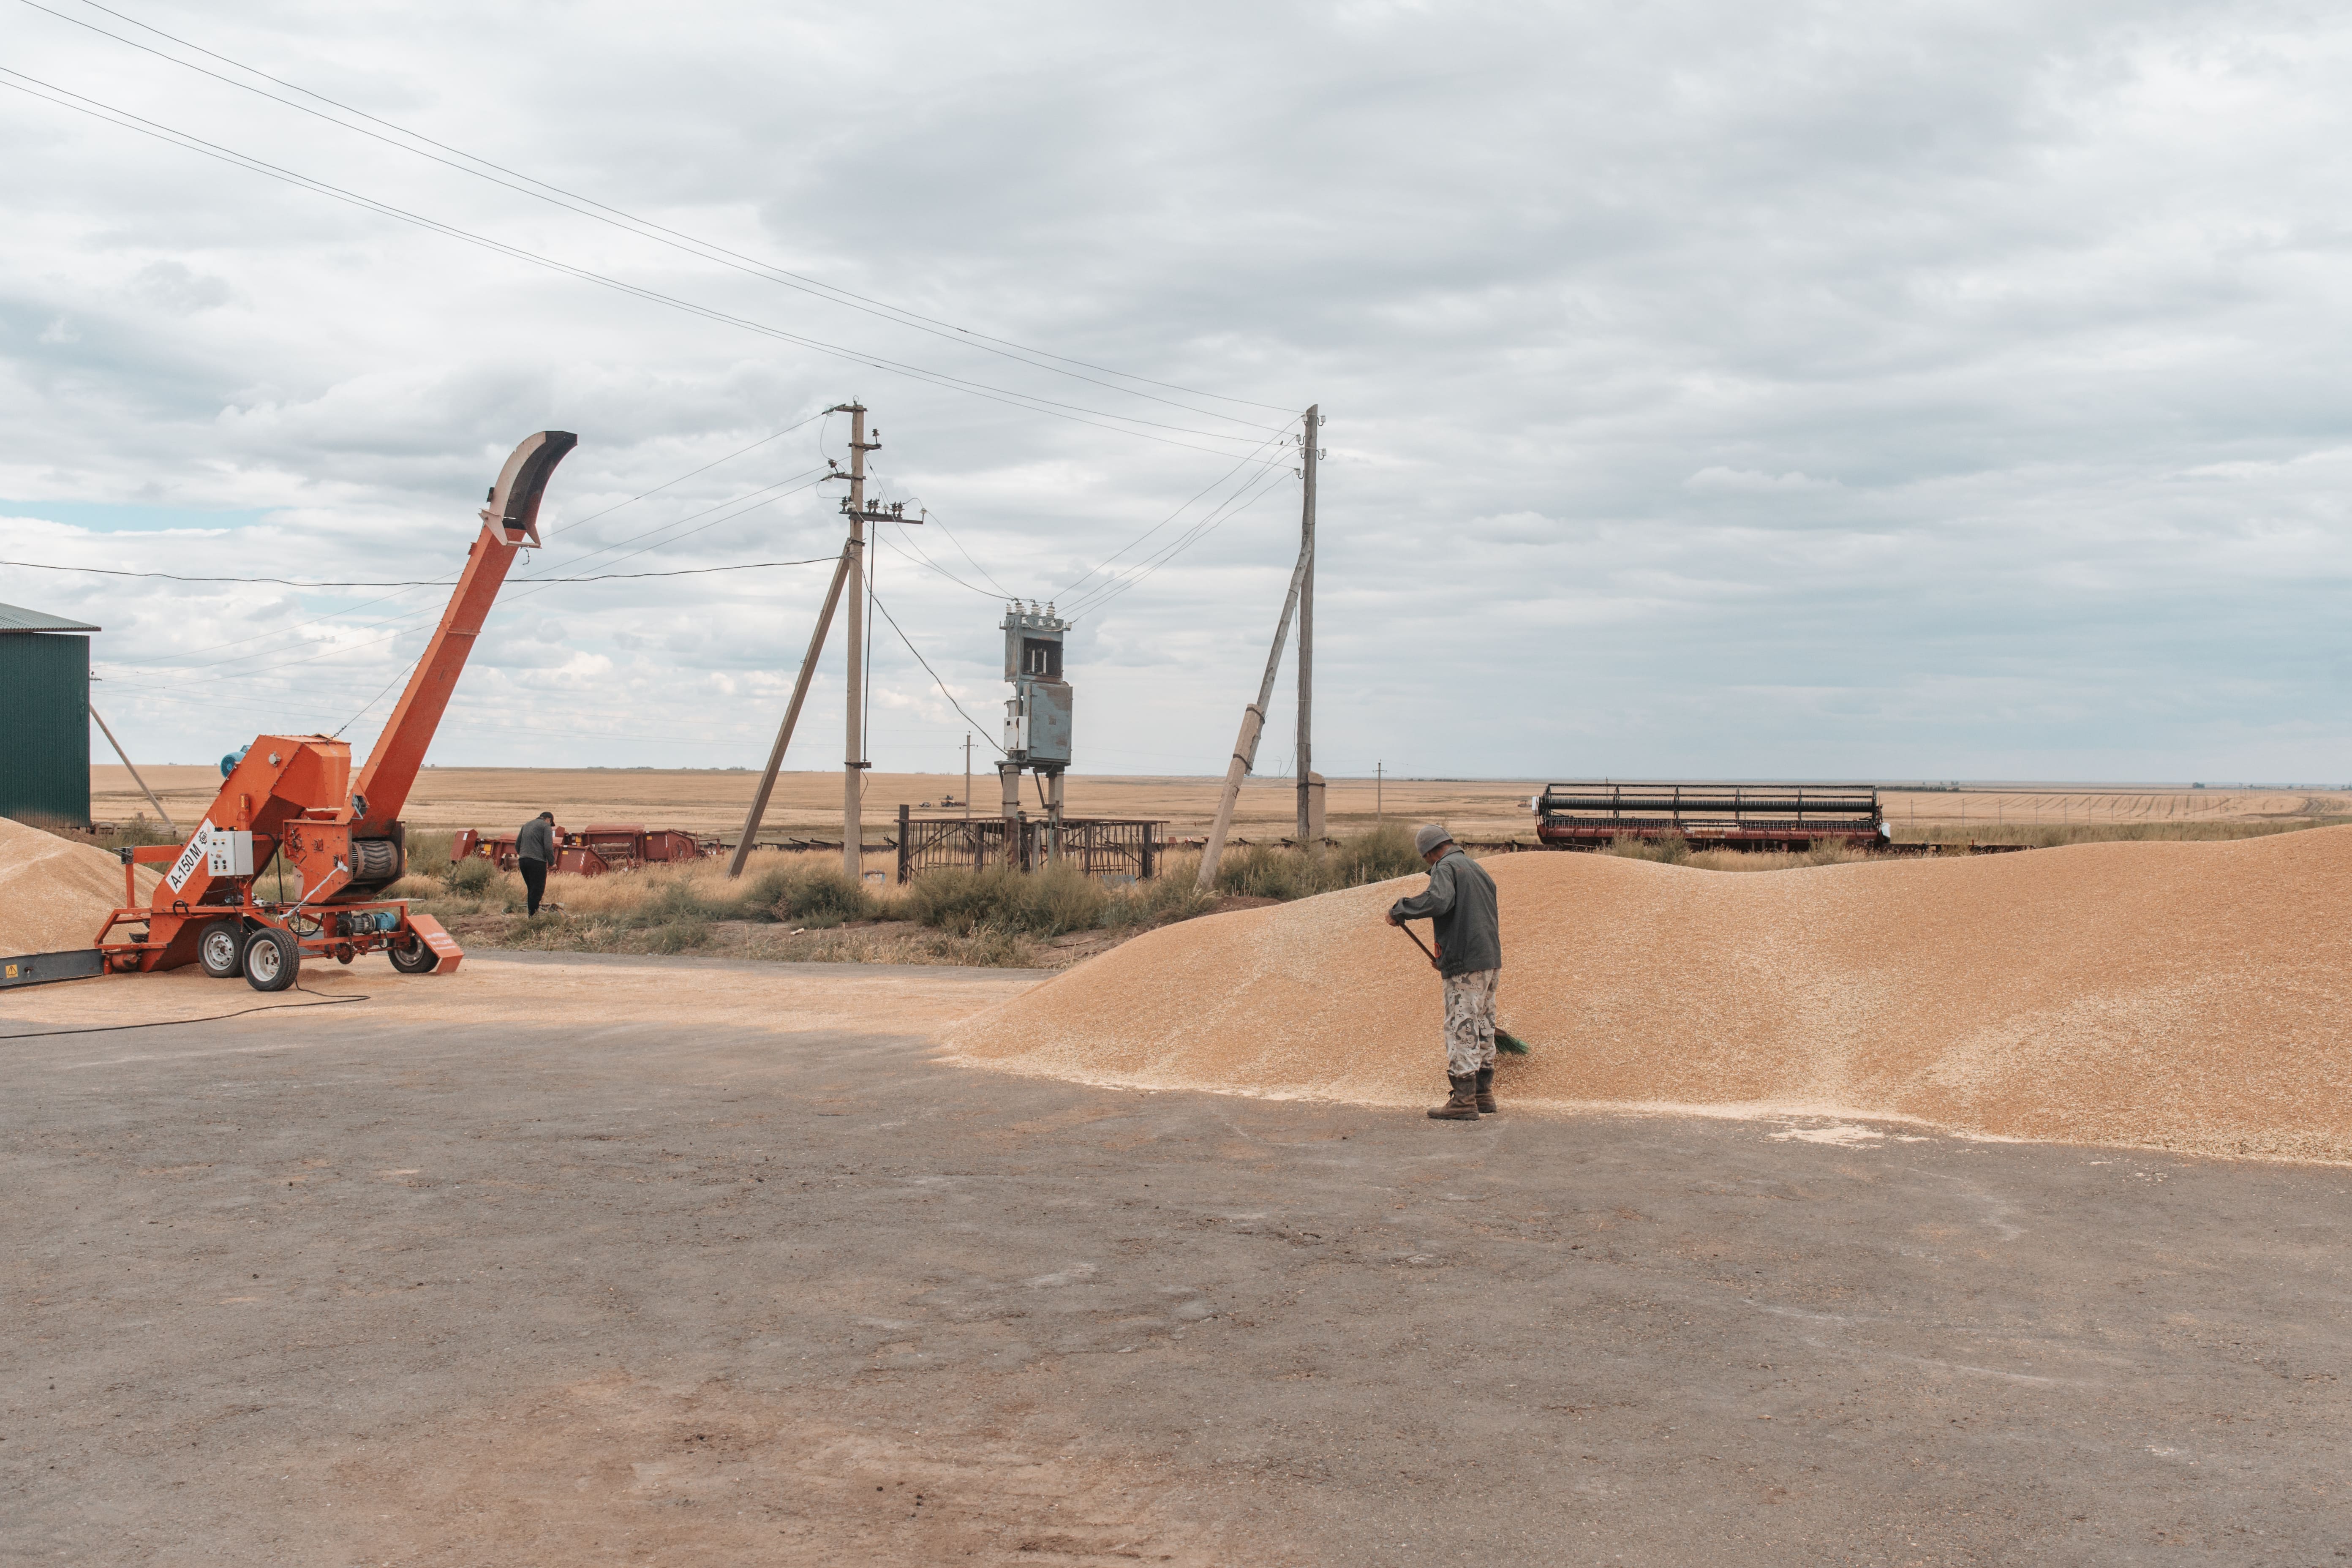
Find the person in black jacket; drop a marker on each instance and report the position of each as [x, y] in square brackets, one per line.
[534, 853]
[1460, 902]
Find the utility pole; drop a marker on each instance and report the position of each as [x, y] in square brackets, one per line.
[967, 775]
[1245, 757]
[853, 759]
[1306, 826]
[853, 762]
[758, 807]
[1379, 782]
[168, 825]
[848, 573]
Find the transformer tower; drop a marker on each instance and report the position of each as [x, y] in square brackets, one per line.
[1037, 716]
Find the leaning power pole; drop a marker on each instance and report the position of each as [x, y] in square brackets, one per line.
[853, 762]
[1307, 827]
[758, 807]
[1299, 603]
[1245, 757]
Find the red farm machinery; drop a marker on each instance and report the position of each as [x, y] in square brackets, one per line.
[592, 850]
[1710, 815]
[339, 843]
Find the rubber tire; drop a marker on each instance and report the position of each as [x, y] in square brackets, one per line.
[220, 949]
[417, 958]
[272, 959]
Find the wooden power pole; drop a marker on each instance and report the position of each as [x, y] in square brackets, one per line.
[853, 759]
[1307, 827]
[1245, 755]
[791, 718]
[850, 574]
[169, 825]
[853, 762]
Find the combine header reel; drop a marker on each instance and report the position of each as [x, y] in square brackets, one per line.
[292, 796]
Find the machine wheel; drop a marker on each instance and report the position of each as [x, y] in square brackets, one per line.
[221, 949]
[272, 959]
[417, 958]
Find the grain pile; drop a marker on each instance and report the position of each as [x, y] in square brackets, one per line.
[2191, 996]
[54, 893]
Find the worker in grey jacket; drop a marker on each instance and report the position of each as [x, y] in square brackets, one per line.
[534, 853]
[1460, 902]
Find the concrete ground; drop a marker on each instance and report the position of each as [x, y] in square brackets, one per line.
[365, 1287]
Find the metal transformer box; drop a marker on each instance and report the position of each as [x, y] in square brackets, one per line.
[1037, 715]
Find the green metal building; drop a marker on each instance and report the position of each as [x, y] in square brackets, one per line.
[43, 717]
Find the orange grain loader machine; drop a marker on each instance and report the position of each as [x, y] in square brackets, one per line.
[339, 842]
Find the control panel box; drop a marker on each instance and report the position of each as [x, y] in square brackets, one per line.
[229, 852]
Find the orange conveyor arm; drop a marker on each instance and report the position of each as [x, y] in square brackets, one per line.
[509, 521]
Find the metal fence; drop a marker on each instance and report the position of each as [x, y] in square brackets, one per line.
[1098, 846]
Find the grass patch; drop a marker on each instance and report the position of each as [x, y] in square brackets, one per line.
[1287, 872]
[992, 918]
[1052, 902]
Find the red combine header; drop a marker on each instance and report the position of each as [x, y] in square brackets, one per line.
[292, 797]
[1710, 815]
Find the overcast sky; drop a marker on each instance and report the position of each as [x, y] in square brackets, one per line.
[1713, 390]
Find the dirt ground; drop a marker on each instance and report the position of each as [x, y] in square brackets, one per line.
[693, 1261]
[808, 803]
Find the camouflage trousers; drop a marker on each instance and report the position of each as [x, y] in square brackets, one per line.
[1470, 1021]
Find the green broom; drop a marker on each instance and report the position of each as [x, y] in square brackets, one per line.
[1509, 1043]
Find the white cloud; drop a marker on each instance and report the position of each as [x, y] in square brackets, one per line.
[1715, 389]
[1747, 480]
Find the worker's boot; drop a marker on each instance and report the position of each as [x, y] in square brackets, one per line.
[1461, 1105]
[1487, 1091]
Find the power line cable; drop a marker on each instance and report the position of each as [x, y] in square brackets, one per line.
[417, 617]
[1071, 587]
[351, 609]
[577, 522]
[427, 581]
[1232, 507]
[645, 227]
[931, 517]
[976, 724]
[906, 545]
[808, 482]
[914, 553]
[1028, 402]
[409, 669]
[1235, 508]
[208, 1018]
[932, 520]
[413, 613]
[1112, 580]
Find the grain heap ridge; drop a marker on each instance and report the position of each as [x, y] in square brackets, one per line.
[2183, 995]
